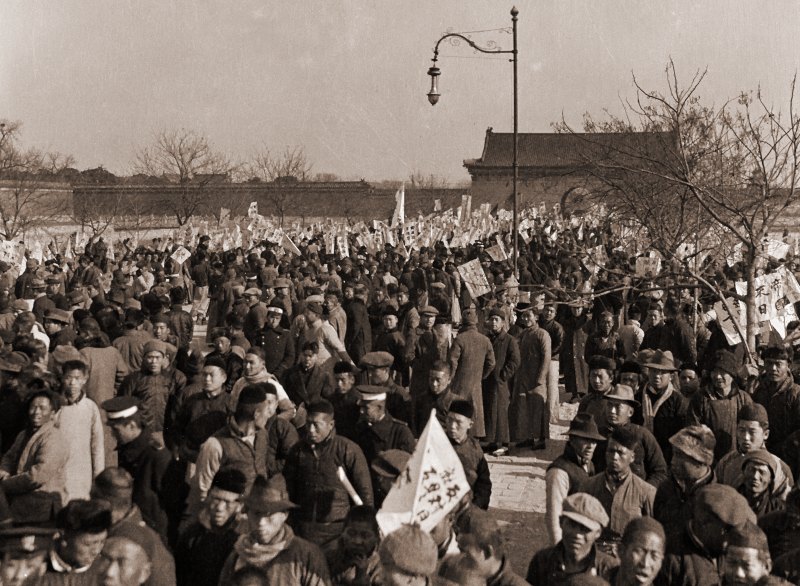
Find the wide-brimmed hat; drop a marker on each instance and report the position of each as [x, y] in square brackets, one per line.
[622, 393]
[584, 426]
[268, 496]
[661, 360]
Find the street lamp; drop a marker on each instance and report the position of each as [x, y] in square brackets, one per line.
[433, 98]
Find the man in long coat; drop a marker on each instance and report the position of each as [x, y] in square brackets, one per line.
[471, 360]
[496, 391]
[530, 412]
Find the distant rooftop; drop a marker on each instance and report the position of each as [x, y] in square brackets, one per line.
[559, 150]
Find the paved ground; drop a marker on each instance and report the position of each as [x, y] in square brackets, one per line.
[518, 495]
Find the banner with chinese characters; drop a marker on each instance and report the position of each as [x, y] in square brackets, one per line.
[474, 278]
[431, 485]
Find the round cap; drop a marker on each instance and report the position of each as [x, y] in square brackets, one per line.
[586, 510]
[411, 550]
[376, 360]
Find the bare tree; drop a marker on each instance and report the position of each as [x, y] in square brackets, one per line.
[26, 199]
[188, 159]
[268, 166]
[419, 180]
[735, 166]
[97, 216]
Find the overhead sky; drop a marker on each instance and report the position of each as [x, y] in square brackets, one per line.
[347, 79]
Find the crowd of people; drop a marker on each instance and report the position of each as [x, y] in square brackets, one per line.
[135, 452]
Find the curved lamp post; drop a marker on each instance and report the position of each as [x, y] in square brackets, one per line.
[433, 98]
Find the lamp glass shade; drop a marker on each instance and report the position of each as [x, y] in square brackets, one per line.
[433, 95]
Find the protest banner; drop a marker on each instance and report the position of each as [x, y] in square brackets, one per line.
[474, 278]
[290, 246]
[181, 255]
[725, 320]
[431, 485]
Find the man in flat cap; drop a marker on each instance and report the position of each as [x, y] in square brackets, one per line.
[114, 489]
[693, 557]
[496, 387]
[471, 360]
[148, 464]
[408, 556]
[269, 543]
[690, 470]
[314, 481]
[24, 554]
[153, 385]
[206, 543]
[582, 520]
[718, 405]
[780, 396]
[378, 368]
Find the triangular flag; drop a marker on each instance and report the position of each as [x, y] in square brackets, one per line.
[432, 484]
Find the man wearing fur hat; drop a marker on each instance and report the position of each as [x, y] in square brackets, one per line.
[690, 470]
[780, 395]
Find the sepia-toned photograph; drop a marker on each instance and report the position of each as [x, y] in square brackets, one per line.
[378, 293]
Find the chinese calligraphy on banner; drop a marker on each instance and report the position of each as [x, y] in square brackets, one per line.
[474, 278]
[431, 486]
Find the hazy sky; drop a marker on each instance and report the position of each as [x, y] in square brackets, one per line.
[347, 78]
